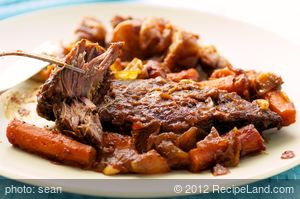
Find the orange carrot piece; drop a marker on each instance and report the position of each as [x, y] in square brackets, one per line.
[224, 83]
[191, 73]
[282, 105]
[44, 74]
[251, 140]
[50, 144]
[222, 72]
[231, 83]
[226, 149]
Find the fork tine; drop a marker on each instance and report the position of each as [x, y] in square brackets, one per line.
[43, 58]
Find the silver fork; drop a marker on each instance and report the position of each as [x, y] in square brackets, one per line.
[23, 69]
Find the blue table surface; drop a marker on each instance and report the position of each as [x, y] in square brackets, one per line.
[9, 8]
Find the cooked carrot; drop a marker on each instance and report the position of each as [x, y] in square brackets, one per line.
[208, 151]
[282, 105]
[222, 72]
[44, 74]
[50, 144]
[251, 140]
[224, 83]
[226, 149]
[191, 73]
[231, 83]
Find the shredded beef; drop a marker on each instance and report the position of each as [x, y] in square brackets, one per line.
[67, 96]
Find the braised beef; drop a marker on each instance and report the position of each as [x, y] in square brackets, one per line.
[66, 96]
[169, 120]
[183, 51]
[211, 59]
[138, 107]
[155, 37]
[178, 106]
[91, 29]
[118, 19]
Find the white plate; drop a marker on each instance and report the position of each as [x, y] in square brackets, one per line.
[244, 45]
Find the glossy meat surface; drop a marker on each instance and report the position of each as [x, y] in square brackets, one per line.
[134, 105]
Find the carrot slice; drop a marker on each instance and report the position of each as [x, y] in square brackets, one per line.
[191, 73]
[282, 105]
[222, 72]
[50, 144]
[224, 83]
[231, 83]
